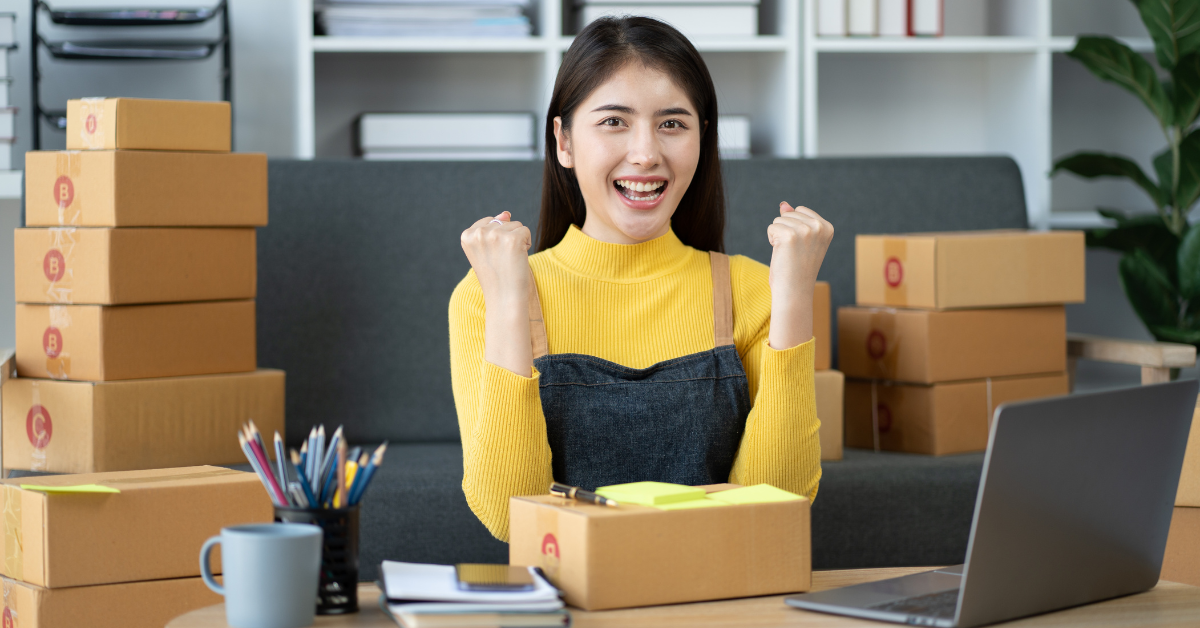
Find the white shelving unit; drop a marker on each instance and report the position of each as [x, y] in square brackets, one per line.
[997, 82]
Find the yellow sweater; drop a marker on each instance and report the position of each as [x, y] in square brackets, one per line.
[635, 305]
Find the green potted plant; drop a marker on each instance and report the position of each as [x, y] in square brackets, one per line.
[1160, 265]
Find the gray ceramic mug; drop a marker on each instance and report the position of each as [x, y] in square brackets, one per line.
[271, 573]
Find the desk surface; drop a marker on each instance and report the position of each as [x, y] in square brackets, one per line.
[1168, 604]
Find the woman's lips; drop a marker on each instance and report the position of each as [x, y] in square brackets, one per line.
[640, 194]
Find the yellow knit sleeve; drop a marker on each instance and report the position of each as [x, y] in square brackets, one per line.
[505, 448]
[781, 444]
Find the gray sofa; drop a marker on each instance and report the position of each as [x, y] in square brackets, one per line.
[360, 258]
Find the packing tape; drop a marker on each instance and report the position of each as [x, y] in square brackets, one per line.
[895, 258]
[14, 548]
[91, 118]
[58, 265]
[883, 343]
[39, 433]
[68, 167]
[58, 359]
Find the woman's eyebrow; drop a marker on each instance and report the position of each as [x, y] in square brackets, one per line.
[673, 111]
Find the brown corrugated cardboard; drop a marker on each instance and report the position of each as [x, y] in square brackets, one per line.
[127, 188]
[936, 419]
[1189, 480]
[144, 124]
[84, 427]
[633, 555]
[151, 530]
[970, 269]
[125, 266]
[830, 390]
[149, 604]
[1181, 563]
[822, 312]
[926, 347]
[111, 342]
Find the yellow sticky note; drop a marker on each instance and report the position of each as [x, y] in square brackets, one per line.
[757, 494]
[703, 502]
[651, 493]
[78, 488]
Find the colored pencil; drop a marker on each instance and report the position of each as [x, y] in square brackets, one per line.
[281, 460]
[343, 497]
[298, 495]
[308, 494]
[328, 487]
[311, 443]
[364, 479]
[253, 429]
[341, 471]
[266, 467]
[303, 460]
[246, 449]
[331, 451]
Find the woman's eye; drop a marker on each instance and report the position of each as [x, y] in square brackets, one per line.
[673, 124]
[611, 122]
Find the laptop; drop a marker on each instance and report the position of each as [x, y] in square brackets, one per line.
[1073, 507]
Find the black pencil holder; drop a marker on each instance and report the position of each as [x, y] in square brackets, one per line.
[338, 592]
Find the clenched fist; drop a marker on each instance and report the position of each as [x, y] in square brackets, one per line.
[498, 249]
[799, 239]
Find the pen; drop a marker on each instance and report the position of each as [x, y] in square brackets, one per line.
[572, 492]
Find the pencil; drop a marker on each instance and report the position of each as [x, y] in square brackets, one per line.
[257, 469]
[312, 455]
[281, 460]
[364, 479]
[343, 498]
[303, 460]
[341, 471]
[308, 494]
[298, 495]
[257, 436]
[266, 468]
[353, 488]
[331, 452]
[319, 452]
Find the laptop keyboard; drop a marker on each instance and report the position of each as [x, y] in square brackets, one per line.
[940, 605]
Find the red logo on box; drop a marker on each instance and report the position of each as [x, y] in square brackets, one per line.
[64, 191]
[54, 265]
[90, 124]
[893, 272]
[38, 427]
[52, 342]
[8, 620]
[876, 344]
[550, 556]
[883, 415]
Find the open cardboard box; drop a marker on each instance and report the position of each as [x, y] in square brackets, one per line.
[602, 557]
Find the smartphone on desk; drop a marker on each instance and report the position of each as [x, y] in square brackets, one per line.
[478, 577]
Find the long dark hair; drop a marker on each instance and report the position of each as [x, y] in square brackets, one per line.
[604, 47]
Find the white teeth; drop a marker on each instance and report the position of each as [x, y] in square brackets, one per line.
[639, 186]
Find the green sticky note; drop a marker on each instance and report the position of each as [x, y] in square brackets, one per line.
[703, 502]
[651, 493]
[757, 494]
[78, 488]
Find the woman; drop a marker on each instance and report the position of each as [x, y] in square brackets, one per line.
[634, 350]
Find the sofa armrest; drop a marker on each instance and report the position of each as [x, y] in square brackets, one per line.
[1156, 358]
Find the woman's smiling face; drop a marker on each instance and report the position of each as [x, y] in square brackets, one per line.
[634, 144]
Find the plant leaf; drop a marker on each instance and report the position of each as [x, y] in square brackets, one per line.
[1139, 231]
[1091, 165]
[1149, 290]
[1185, 90]
[1175, 27]
[1189, 172]
[1189, 265]
[1115, 62]
[1167, 333]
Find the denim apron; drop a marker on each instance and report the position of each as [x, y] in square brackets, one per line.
[677, 421]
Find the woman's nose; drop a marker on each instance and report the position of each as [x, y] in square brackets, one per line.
[643, 148]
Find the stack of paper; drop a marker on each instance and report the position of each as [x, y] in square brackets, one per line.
[7, 112]
[425, 18]
[694, 18]
[421, 595]
[437, 136]
[664, 496]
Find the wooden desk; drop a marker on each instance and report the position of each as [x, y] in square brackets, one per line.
[1168, 604]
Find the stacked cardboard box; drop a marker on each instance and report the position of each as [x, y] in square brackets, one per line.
[950, 325]
[135, 287]
[828, 382]
[124, 557]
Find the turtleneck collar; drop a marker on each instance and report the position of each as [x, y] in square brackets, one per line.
[626, 263]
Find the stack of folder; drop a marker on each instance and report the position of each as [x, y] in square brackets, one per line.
[8, 113]
[421, 596]
[693, 18]
[135, 283]
[425, 18]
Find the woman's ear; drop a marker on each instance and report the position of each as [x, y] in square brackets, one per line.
[563, 144]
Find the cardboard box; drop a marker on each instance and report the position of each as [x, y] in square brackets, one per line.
[921, 346]
[822, 313]
[143, 124]
[85, 427]
[970, 269]
[1189, 479]
[830, 391]
[151, 530]
[640, 556]
[1181, 563]
[149, 604]
[145, 189]
[938, 419]
[111, 342]
[125, 266]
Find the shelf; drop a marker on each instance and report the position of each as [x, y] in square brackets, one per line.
[430, 44]
[922, 44]
[760, 43]
[10, 184]
[1139, 44]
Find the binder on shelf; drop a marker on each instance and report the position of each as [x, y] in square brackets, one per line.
[446, 135]
[831, 18]
[862, 18]
[925, 18]
[426, 18]
[720, 18]
[893, 18]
